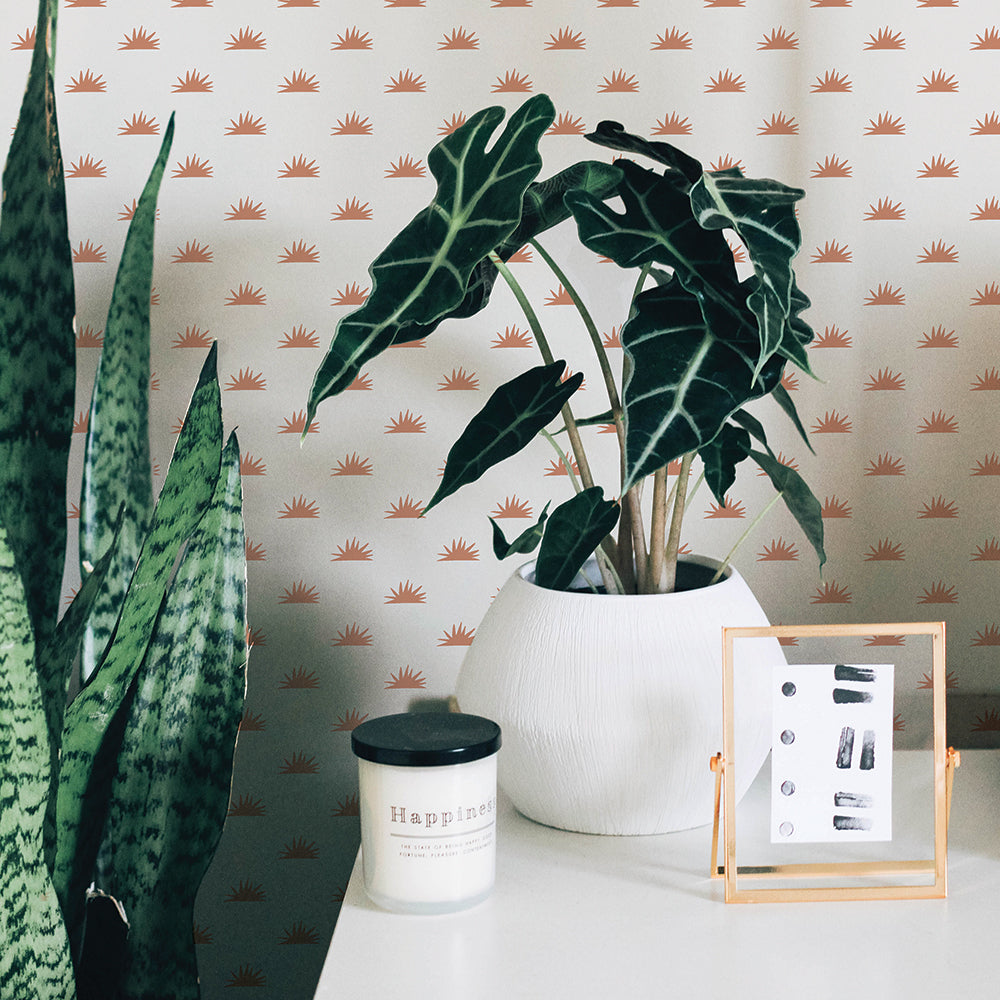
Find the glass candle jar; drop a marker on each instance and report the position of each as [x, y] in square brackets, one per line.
[428, 791]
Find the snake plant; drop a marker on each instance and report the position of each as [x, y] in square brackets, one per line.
[135, 769]
[700, 343]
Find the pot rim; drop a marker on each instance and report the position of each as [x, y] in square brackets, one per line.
[525, 570]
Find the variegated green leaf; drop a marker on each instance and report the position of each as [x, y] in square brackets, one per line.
[425, 271]
[37, 373]
[117, 468]
[34, 956]
[574, 531]
[525, 542]
[93, 720]
[171, 791]
[684, 379]
[762, 214]
[511, 418]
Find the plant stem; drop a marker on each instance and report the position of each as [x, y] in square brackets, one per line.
[669, 580]
[572, 431]
[564, 459]
[657, 533]
[739, 541]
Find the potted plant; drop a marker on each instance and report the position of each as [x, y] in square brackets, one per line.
[700, 344]
[125, 784]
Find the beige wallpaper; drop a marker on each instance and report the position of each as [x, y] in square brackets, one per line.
[302, 133]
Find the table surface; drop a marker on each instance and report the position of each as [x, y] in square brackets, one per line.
[584, 916]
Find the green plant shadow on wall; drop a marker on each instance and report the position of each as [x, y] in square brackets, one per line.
[112, 802]
[700, 343]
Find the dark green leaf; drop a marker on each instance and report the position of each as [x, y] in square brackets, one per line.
[92, 725]
[784, 400]
[613, 136]
[798, 498]
[684, 381]
[425, 271]
[574, 531]
[37, 367]
[34, 957]
[511, 418]
[117, 468]
[171, 791]
[525, 542]
[721, 456]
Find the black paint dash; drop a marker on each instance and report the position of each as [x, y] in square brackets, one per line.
[851, 823]
[848, 696]
[845, 749]
[868, 750]
[863, 675]
[852, 800]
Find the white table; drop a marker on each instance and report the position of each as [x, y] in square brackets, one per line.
[575, 916]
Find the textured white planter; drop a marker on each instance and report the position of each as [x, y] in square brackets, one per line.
[611, 706]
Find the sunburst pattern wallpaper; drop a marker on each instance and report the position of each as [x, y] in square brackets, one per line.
[301, 144]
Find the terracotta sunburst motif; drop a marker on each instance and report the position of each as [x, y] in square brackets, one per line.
[885, 551]
[246, 124]
[779, 124]
[246, 38]
[938, 253]
[353, 38]
[939, 82]
[299, 253]
[406, 677]
[885, 465]
[885, 379]
[296, 424]
[832, 82]
[938, 507]
[406, 592]
[353, 550]
[352, 465]
[987, 125]
[247, 805]
[726, 82]
[512, 337]
[989, 551]
[457, 635]
[938, 337]
[835, 507]
[457, 120]
[885, 295]
[938, 593]
[193, 166]
[619, 82]
[672, 124]
[251, 466]
[25, 42]
[832, 252]
[298, 337]
[406, 82]
[348, 721]
[989, 636]
[988, 466]
[832, 422]
[831, 593]
[561, 467]
[347, 806]
[732, 508]
[406, 422]
[139, 39]
[300, 82]
[87, 336]
[988, 296]
[778, 38]
[778, 550]
[987, 722]
[299, 933]
[512, 82]
[886, 210]
[353, 124]
[832, 336]
[406, 166]
[299, 678]
[885, 640]
[299, 593]
[299, 763]
[193, 252]
[459, 38]
[458, 381]
[938, 166]
[938, 423]
[352, 210]
[85, 82]
[299, 507]
[192, 82]
[459, 550]
[511, 506]
[255, 552]
[351, 294]
[405, 507]
[299, 167]
[885, 38]
[87, 166]
[988, 39]
[885, 124]
[139, 124]
[566, 38]
[832, 166]
[246, 295]
[89, 253]
[354, 635]
[567, 124]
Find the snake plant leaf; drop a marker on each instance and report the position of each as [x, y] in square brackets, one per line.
[117, 468]
[762, 214]
[424, 272]
[684, 381]
[575, 529]
[92, 727]
[512, 416]
[170, 794]
[525, 542]
[37, 366]
[721, 456]
[798, 498]
[35, 957]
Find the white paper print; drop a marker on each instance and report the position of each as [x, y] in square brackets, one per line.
[831, 756]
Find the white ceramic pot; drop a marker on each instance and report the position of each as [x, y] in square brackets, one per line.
[611, 706]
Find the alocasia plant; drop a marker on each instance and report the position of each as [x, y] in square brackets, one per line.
[700, 342]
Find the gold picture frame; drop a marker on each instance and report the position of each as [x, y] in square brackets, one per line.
[871, 879]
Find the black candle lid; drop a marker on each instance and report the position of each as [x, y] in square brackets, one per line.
[426, 739]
